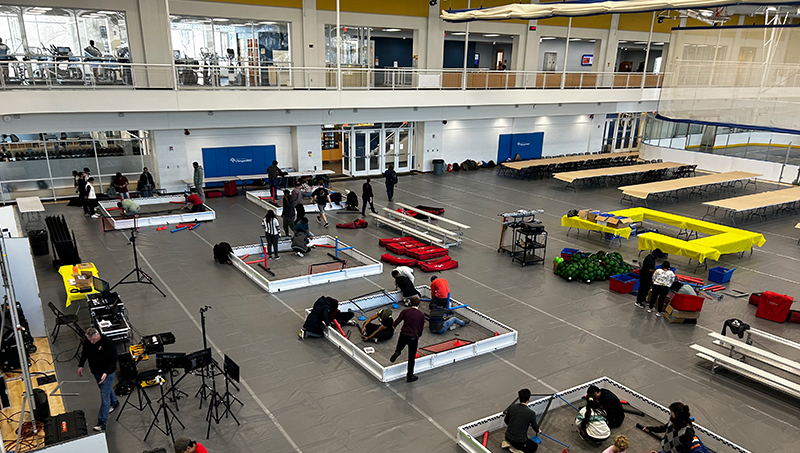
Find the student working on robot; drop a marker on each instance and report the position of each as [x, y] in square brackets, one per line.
[378, 332]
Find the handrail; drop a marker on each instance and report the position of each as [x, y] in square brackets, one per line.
[44, 72]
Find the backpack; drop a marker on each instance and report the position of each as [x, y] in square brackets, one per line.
[456, 167]
[394, 178]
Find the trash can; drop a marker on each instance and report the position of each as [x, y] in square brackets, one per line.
[38, 241]
[438, 166]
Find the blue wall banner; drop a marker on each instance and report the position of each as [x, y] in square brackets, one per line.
[527, 145]
[237, 160]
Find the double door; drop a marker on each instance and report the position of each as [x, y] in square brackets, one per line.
[368, 152]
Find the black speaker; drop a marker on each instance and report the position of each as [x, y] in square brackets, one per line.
[42, 410]
[39, 244]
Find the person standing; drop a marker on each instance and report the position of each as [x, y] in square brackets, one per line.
[76, 176]
[297, 201]
[367, 197]
[518, 418]
[80, 185]
[185, 445]
[413, 324]
[391, 181]
[440, 291]
[198, 181]
[102, 356]
[662, 280]
[646, 276]
[272, 229]
[4, 57]
[321, 198]
[288, 213]
[146, 183]
[91, 199]
[273, 172]
[120, 184]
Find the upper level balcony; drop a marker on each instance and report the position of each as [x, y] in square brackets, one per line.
[79, 84]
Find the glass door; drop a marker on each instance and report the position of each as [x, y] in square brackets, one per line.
[403, 153]
[346, 152]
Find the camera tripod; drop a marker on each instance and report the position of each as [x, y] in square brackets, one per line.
[205, 392]
[141, 276]
[169, 415]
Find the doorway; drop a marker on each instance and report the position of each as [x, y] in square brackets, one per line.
[499, 58]
[623, 132]
[368, 150]
[550, 61]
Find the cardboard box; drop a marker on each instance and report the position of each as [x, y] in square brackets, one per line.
[88, 266]
[82, 282]
[583, 214]
[591, 215]
[601, 219]
[681, 317]
[619, 222]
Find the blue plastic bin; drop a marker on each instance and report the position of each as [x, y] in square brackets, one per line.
[720, 274]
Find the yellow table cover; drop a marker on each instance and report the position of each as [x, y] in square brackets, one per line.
[577, 222]
[66, 275]
[650, 241]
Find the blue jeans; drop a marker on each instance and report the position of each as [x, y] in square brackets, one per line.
[273, 188]
[449, 322]
[107, 397]
[390, 191]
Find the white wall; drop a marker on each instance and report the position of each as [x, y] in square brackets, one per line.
[26, 287]
[576, 51]
[771, 171]
[478, 139]
[174, 165]
[9, 220]
[306, 148]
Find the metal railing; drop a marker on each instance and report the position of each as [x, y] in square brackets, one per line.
[85, 73]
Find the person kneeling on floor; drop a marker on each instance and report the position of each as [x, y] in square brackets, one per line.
[128, 207]
[317, 319]
[302, 227]
[300, 244]
[440, 322]
[405, 285]
[591, 421]
[194, 202]
[378, 332]
[612, 406]
[679, 433]
[222, 253]
[351, 203]
[518, 418]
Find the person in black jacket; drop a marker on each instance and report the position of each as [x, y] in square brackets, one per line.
[615, 414]
[405, 285]
[646, 276]
[518, 418]
[367, 197]
[146, 184]
[391, 181]
[288, 213]
[102, 355]
[317, 319]
[679, 433]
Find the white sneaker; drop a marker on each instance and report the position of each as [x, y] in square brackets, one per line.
[95, 216]
[302, 334]
[649, 310]
[299, 254]
[638, 304]
[505, 445]
[659, 314]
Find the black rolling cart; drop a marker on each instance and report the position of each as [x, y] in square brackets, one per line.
[529, 244]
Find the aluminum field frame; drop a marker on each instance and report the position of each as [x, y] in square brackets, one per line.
[468, 436]
[169, 219]
[254, 196]
[277, 285]
[506, 336]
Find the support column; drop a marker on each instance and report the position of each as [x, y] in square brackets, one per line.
[608, 62]
[434, 57]
[154, 16]
[310, 34]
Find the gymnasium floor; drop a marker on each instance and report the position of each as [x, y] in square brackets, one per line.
[305, 396]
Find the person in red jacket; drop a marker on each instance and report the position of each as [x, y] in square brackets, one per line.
[186, 445]
[440, 291]
[194, 201]
[413, 320]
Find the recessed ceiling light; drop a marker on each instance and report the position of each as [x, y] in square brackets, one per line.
[592, 40]
[219, 19]
[658, 43]
[544, 38]
[391, 29]
[491, 35]
[458, 33]
[575, 39]
[622, 41]
[267, 23]
[640, 42]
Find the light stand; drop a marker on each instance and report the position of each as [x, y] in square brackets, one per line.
[10, 301]
[231, 372]
[213, 405]
[204, 391]
[169, 415]
[141, 276]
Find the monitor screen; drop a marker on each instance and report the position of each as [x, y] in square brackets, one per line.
[587, 60]
[100, 285]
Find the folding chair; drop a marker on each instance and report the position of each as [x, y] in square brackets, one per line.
[70, 321]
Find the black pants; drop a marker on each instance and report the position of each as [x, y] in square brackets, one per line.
[390, 191]
[89, 205]
[383, 335]
[367, 200]
[528, 446]
[659, 292]
[288, 225]
[301, 212]
[412, 343]
[272, 245]
[644, 288]
[198, 208]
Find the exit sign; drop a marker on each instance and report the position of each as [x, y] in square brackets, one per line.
[532, 28]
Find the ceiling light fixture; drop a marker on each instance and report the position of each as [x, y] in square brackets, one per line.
[640, 42]
[391, 29]
[458, 33]
[545, 38]
[491, 35]
[575, 39]
[219, 19]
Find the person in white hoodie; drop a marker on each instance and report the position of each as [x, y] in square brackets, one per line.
[272, 229]
[662, 281]
[91, 199]
[591, 422]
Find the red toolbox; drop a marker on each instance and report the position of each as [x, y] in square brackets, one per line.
[687, 302]
[774, 306]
